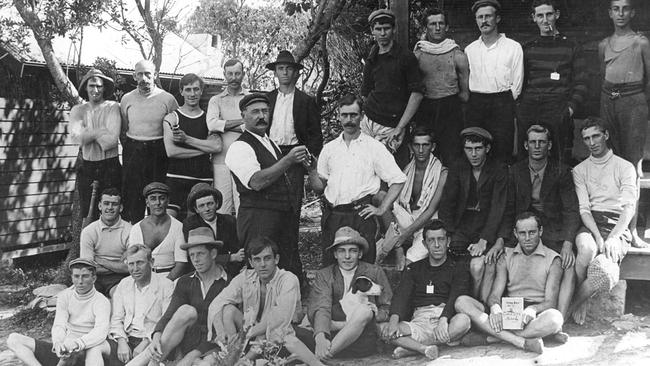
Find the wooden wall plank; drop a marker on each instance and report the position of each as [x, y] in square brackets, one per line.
[36, 188]
[36, 200]
[34, 176]
[31, 225]
[13, 216]
[11, 126]
[37, 163]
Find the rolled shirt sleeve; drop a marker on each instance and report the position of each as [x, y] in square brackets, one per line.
[212, 116]
[386, 167]
[242, 162]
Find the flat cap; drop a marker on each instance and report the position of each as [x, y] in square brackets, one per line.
[380, 13]
[155, 187]
[477, 131]
[252, 98]
[481, 3]
[83, 262]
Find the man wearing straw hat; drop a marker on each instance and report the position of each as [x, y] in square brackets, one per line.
[95, 125]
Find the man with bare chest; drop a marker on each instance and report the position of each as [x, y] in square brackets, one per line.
[161, 233]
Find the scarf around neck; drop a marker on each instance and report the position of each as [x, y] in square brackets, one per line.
[436, 48]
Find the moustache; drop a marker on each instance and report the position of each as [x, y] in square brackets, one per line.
[261, 121]
[485, 24]
[349, 124]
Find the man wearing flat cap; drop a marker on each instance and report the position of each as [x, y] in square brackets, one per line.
[161, 233]
[183, 326]
[472, 207]
[80, 327]
[392, 86]
[496, 75]
[335, 333]
[204, 202]
[267, 207]
[95, 126]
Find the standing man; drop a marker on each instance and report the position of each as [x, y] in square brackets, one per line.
[188, 145]
[144, 155]
[542, 186]
[555, 81]
[161, 233]
[267, 207]
[224, 117]
[496, 65]
[445, 72]
[350, 171]
[606, 185]
[105, 241]
[95, 125]
[392, 86]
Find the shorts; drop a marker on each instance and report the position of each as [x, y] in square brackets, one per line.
[195, 338]
[424, 322]
[112, 358]
[44, 355]
[105, 282]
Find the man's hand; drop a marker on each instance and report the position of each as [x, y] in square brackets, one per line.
[123, 350]
[570, 112]
[464, 96]
[392, 330]
[322, 347]
[442, 330]
[613, 249]
[59, 350]
[397, 135]
[568, 258]
[493, 254]
[178, 136]
[600, 243]
[155, 348]
[496, 318]
[239, 256]
[370, 210]
[373, 308]
[298, 155]
[478, 248]
[529, 315]
[141, 347]
[70, 346]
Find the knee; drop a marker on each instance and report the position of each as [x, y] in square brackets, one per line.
[586, 246]
[555, 320]
[462, 303]
[360, 317]
[476, 267]
[14, 341]
[186, 314]
[291, 342]
[462, 322]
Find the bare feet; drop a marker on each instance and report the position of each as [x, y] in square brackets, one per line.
[559, 337]
[637, 241]
[431, 352]
[534, 345]
[579, 315]
[401, 352]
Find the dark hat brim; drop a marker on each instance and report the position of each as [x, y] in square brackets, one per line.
[218, 244]
[271, 65]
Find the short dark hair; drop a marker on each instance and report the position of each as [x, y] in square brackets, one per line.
[233, 62]
[434, 11]
[537, 3]
[597, 122]
[434, 225]
[539, 128]
[92, 269]
[349, 99]
[258, 244]
[423, 131]
[476, 138]
[111, 191]
[132, 249]
[527, 215]
[190, 78]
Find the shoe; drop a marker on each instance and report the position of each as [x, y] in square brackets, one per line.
[534, 345]
[431, 352]
[473, 339]
[401, 352]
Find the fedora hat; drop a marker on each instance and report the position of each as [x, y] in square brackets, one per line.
[109, 84]
[201, 236]
[347, 235]
[199, 189]
[284, 57]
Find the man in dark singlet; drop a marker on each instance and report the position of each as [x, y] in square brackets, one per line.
[188, 146]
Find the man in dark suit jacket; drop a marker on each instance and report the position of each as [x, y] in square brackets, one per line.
[204, 201]
[295, 118]
[472, 206]
[545, 187]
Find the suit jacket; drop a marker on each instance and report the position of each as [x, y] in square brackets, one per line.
[492, 195]
[156, 301]
[560, 216]
[306, 119]
[328, 290]
[226, 232]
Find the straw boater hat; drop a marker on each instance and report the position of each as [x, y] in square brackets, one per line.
[347, 235]
[201, 236]
[284, 57]
[199, 189]
[109, 84]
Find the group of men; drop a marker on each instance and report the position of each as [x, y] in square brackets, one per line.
[468, 225]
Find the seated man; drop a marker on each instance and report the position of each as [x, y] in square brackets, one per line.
[530, 271]
[139, 302]
[336, 333]
[204, 202]
[472, 206]
[163, 233]
[606, 186]
[418, 202]
[80, 326]
[428, 290]
[541, 185]
[183, 324]
[270, 297]
[105, 240]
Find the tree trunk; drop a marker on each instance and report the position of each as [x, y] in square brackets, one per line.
[326, 13]
[326, 70]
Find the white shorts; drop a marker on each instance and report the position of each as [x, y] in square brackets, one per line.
[378, 132]
[424, 321]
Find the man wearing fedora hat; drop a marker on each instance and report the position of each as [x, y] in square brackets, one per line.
[183, 326]
[203, 202]
[95, 125]
[81, 324]
[334, 334]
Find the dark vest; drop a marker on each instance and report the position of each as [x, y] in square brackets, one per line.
[274, 197]
[198, 166]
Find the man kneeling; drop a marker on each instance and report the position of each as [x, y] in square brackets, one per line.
[80, 326]
[270, 297]
[531, 271]
[428, 289]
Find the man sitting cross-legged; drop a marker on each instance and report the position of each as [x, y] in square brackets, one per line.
[428, 290]
[80, 325]
[606, 185]
[270, 299]
[138, 305]
[530, 271]
[184, 323]
[337, 333]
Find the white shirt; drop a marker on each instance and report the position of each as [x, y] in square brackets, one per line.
[497, 68]
[137, 328]
[355, 171]
[242, 161]
[347, 278]
[169, 250]
[282, 128]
